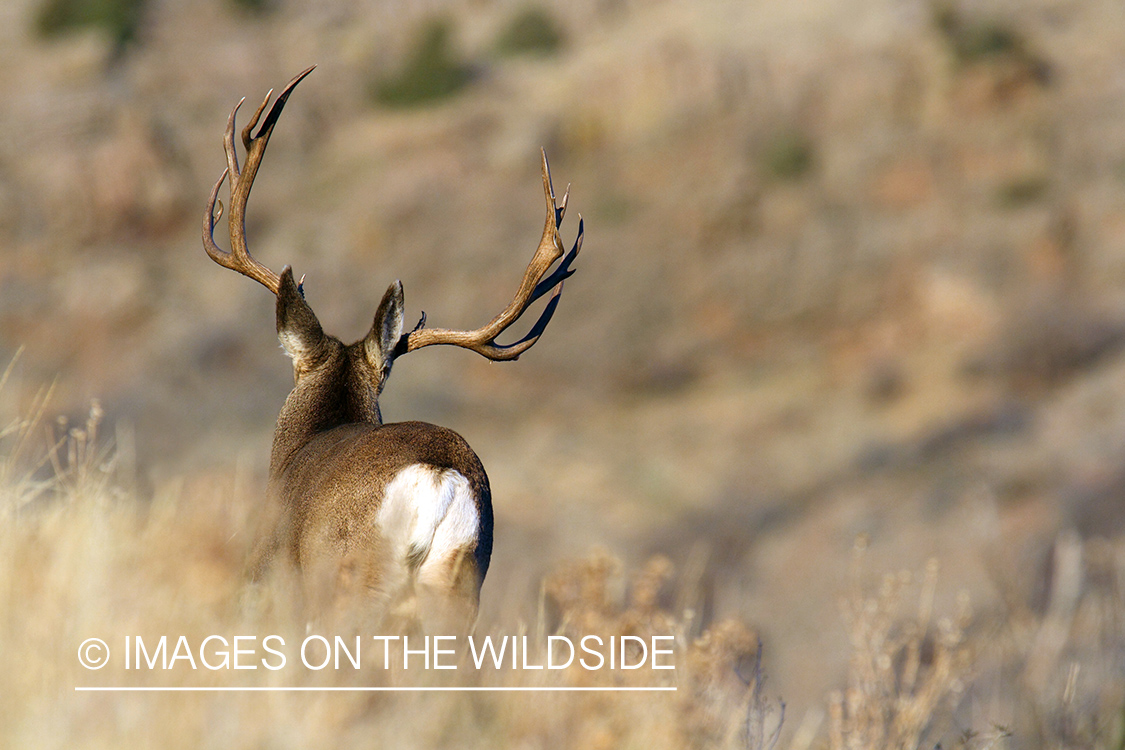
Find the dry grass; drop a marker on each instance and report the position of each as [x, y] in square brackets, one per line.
[108, 569]
[85, 557]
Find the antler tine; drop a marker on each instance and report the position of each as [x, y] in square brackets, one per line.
[241, 181]
[247, 140]
[535, 284]
[228, 141]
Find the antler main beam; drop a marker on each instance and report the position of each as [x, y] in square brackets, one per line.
[241, 181]
[534, 285]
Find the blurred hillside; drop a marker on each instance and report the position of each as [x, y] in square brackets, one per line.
[851, 268]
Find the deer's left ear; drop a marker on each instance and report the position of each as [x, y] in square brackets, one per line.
[379, 346]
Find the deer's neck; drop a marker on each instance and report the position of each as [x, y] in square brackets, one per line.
[322, 402]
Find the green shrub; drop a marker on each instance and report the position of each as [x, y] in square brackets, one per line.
[531, 31]
[431, 72]
[788, 155]
[1023, 191]
[253, 7]
[974, 40]
[120, 18]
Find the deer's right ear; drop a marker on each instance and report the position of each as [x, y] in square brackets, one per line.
[297, 327]
[386, 330]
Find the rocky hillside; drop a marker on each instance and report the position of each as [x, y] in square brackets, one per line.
[851, 268]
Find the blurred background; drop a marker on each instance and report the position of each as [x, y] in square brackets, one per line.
[852, 270]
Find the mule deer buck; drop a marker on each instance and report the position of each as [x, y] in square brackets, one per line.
[392, 508]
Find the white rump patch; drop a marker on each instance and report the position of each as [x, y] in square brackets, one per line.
[427, 512]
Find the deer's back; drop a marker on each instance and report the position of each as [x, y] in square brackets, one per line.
[413, 484]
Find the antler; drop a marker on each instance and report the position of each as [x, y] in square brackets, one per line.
[532, 287]
[239, 258]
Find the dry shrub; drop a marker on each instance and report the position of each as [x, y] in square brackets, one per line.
[39, 460]
[720, 685]
[1055, 670]
[17, 468]
[905, 674]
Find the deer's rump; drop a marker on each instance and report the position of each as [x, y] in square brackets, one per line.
[408, 492]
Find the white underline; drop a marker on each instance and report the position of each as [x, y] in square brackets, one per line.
[115, 689]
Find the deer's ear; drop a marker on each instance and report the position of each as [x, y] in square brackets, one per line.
[297, 327]
[386, 331]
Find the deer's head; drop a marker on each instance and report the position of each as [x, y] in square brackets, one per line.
[340, 382]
